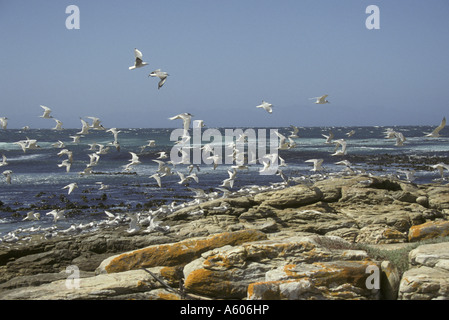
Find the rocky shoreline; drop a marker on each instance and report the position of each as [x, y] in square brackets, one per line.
[307, 241]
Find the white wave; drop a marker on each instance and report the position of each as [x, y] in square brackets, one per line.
[373, 148]
[26, 157]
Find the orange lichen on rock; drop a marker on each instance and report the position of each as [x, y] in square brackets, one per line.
[329, 280]
[428, 230]
[171, 274]
[168, 296]
[210, 283]
[179, 253]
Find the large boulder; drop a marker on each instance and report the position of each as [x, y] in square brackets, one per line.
[179, 253]
[428, 230]
[428, 279]
[241, 271]
[121, 285]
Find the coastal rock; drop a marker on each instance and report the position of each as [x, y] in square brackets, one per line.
[229, 271]
[283, 243]
[32, 280]
[428, 230]
[434, 255]
[336, 280]
[295, 196]
[104, 286]
[438, 197]
[86, 251]
[428, 279]
[423, 200]
[424, 283]
[379, 234]
[179, 253]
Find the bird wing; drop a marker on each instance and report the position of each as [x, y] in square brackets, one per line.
[46, 109]
[158, 179]
[138, 54]
[134, 157]
[295, 129]
[138, 61]
[441, 126]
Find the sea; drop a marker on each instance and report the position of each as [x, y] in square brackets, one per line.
[37, 182]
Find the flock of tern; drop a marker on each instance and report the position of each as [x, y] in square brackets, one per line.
[166, 168]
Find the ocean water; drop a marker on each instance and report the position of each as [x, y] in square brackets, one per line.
[37, 181]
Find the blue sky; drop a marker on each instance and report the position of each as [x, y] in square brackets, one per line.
[224, 58]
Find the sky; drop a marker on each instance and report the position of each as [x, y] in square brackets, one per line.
[223, 59]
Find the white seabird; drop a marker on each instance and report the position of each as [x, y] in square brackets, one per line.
[65, 163]
[228, 183]
[7, 174]
[3, 122]
[102, 185]
[150, 144]
[32, 216]
[58, 125]
[329, 138]
[22, 144]
[409, 174]
[85, 127]
[71, 187]
[440, 167]
[350, 133]
[163, 168]
[102, 149]
[320, 100]
[186, 119]
[139, 62]
[27, 144]
[94, 158]
[133, 224]
[46, 114]
[96, 124]
[4, 161]
[216, 160]
[162, 75]
[114, 132]
[268, 107]
[87, 170]
[340, 143]
[157, 177]
[134, 161]
[400, 139]
[294, 132]
[68, 153]
[436, 132]
[76, 139]
[316, 164]
[186, 180]
[57, 214]
[391, 134]
[348, 165]
[59, 144]
[162, 155]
